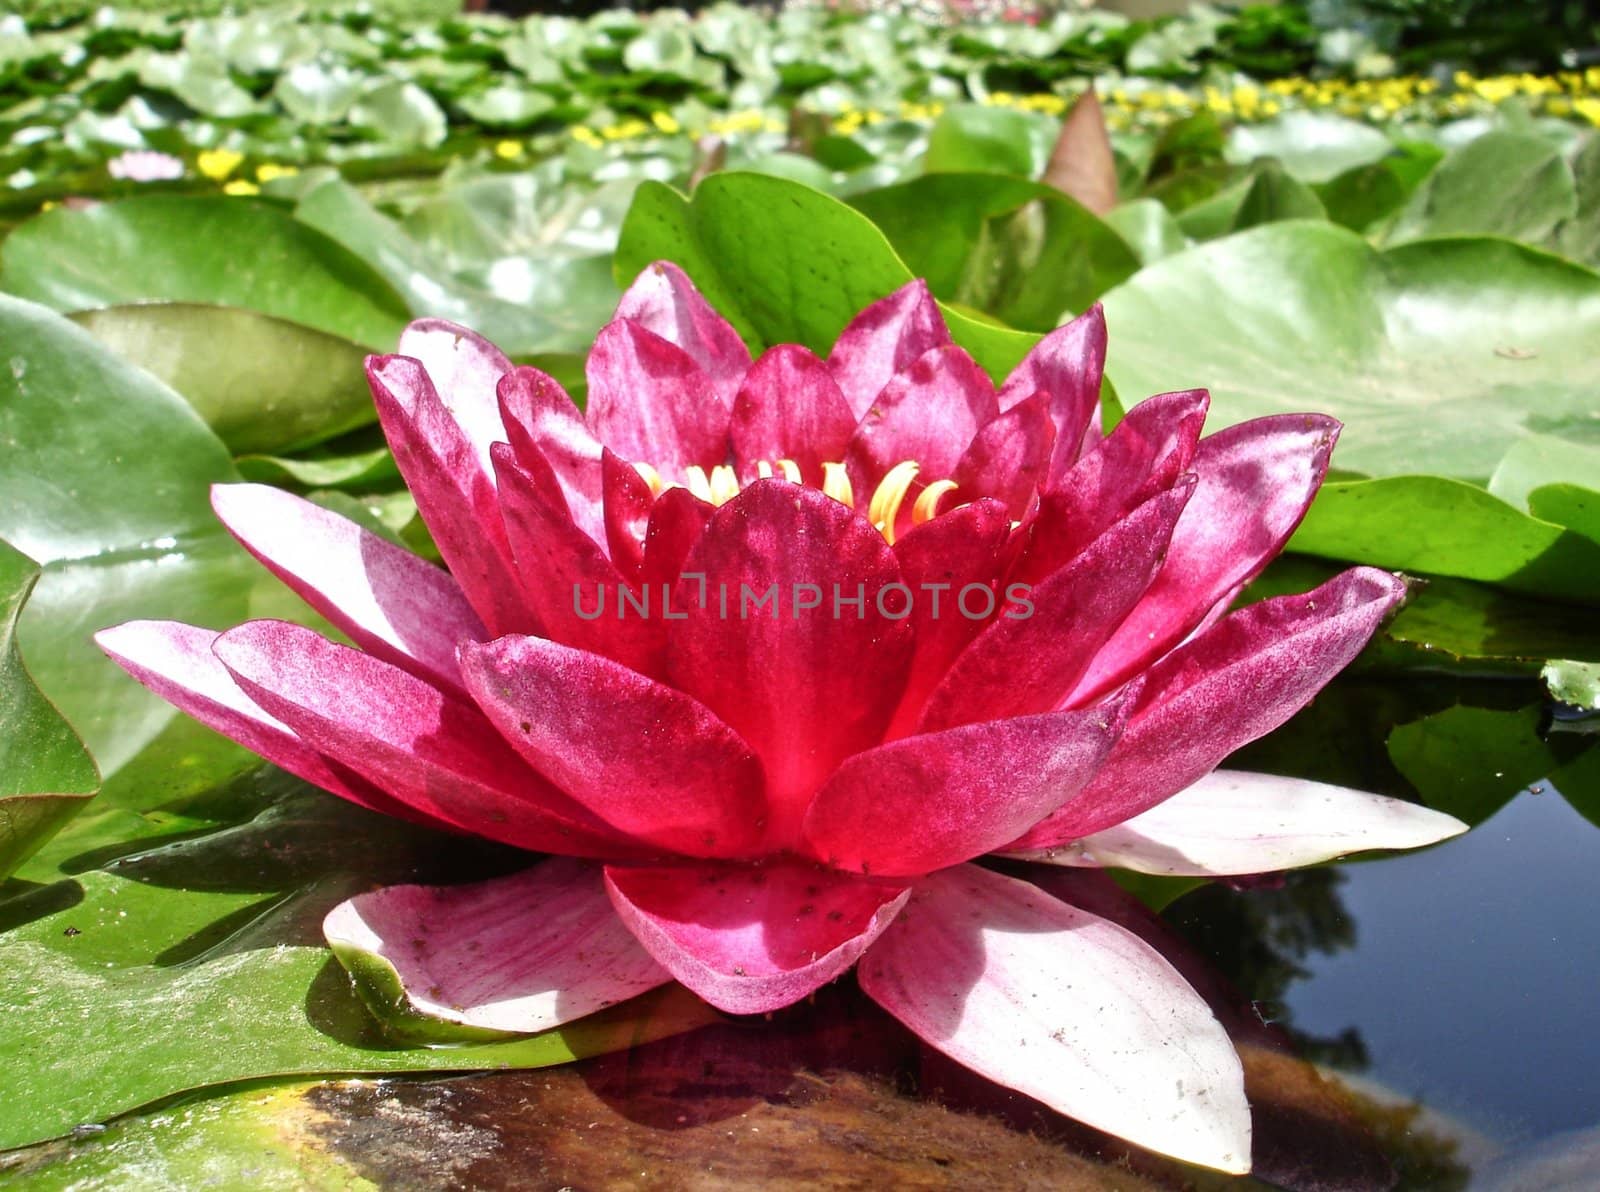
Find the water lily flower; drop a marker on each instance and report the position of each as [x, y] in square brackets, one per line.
[769, 654]
[145, 165]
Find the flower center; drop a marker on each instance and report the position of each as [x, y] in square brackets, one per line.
[721, 485]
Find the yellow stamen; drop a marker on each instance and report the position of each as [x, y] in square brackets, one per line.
[724, 484]
[699, 485]
[763, 470]
[652, 478]
[890, 494]
[790, 470]
[836, 484]
[927, 506]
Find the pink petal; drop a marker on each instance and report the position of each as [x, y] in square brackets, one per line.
[389, 602]
[748, 938]
[677, 520]
[926, 802]
[806, 687]
[1024, 664]
[1067, 365]
[644, 758]
[1235, 682]
[1257, 480]
[1066, 1007]
[542, 422]
[789, 407]
[565, 577]
[938, 559]
[627, 514]
[883, 340]
[464, 368]
[1232, 822]
[176, 662]
[435, 754]
[1146, 453]
[524, 953]
[454, 494]
[1008, 457]
[928, 412]
[651, 403]
[662, 299]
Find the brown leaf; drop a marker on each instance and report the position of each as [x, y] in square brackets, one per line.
[1081, 165]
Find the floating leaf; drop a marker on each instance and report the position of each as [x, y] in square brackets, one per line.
[45, 773]
[262, 384]
[220, 251]
[1575, 683]
[1017, 250]
[784, 263]
[1501, 184]
[1436, 355]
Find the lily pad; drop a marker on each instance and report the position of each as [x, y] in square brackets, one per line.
[1313, 146]
[46, 775]
[104, 475]
[192, 946]
[219, 251]
[1501, 184]
[1018, 250]
[784, 263]
[1436, 355]
[262, 384]
[1575, 683]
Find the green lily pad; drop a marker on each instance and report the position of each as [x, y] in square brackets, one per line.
[104, 479]
[973, 137]
[1148, 228]
[784, 263]
[1437, 355]
[1576, 683]
[46, 775]
[1313, 146]
[1448, 527]
[262, 384]
[191, 942]
[1501, 184]
[1020, 251]
[1470, 761]
[218, 251]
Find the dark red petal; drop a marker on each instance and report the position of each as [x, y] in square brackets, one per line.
[1235, 682]
[1008, 458]
[644, 758]
[938, 559]
[651, 403]
[1257, 480]
[543, 424]
[677, 520]
[1028, 664]
[884, 339]
[662, 299]
[753, 938]
[789, 407]
[930, 801]
[454, 494]
[627, 501]
[1067, 365]
[565, 576]
[805, 686]
[1149, 449]
[433, 752]
[928, 412]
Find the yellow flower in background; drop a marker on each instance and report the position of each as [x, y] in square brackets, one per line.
[241, 186]
[217, 164]
[509, 150]
[267, 171]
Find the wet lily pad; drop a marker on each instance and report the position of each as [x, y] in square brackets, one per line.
[784, 263]
[46, 775]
